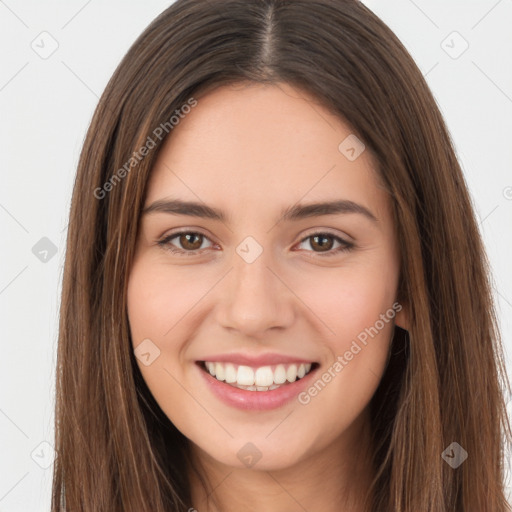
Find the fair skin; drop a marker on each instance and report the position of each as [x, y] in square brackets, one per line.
[253, 151]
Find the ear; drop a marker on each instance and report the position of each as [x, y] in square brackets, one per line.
[402, 317]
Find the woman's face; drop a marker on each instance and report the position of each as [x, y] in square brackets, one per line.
[261, 286]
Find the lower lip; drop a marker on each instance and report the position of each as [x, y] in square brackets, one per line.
[256, 400]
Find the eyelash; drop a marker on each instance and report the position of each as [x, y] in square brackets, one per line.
[344, 247]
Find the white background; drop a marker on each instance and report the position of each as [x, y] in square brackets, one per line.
[46, 105]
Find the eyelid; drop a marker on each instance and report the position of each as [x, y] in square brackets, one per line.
[328, 231]
[186, 230]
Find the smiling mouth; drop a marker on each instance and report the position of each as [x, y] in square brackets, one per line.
[262, 378]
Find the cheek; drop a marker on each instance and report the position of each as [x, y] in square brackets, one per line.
[147, 306]
[157, 303]
[158, 300]
[162, 304]
[356, 305]
[348, 300]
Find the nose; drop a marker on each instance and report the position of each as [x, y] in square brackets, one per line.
[255, 298]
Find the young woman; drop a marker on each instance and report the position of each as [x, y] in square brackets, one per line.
[275, 293]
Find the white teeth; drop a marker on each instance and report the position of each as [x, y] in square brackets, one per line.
[291, 373]
[264, 378]
[230, 373]
[280, 374]
[219, 371]
[245, 376]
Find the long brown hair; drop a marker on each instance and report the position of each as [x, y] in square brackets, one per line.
[117, 451]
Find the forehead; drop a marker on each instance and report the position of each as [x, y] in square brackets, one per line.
[261, 145]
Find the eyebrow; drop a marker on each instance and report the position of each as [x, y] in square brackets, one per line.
[292, 213]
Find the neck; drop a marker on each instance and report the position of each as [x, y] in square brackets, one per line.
[336, 478]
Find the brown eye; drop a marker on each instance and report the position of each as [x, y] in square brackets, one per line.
[191, 241]
[184, 242]
[322, 242]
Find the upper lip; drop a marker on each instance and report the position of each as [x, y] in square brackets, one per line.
[256, 360]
